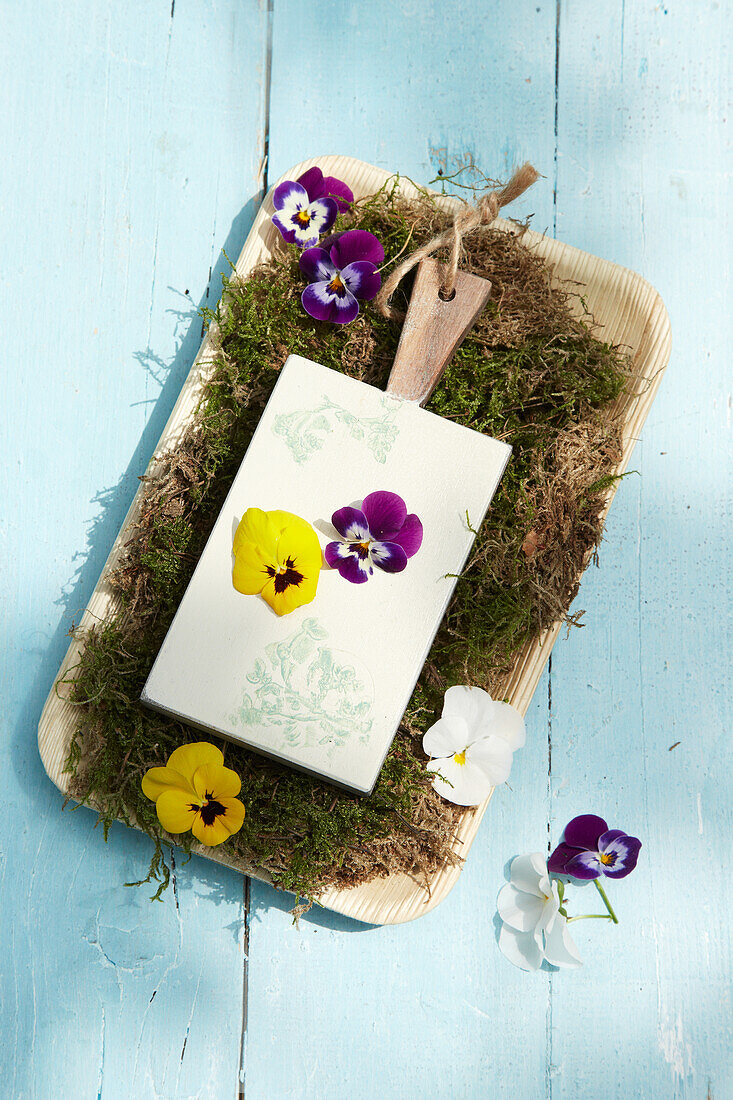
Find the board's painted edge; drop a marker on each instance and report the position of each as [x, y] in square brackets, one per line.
[628, 310]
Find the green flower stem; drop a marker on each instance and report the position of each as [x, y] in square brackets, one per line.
[590, 916]
[606, 902]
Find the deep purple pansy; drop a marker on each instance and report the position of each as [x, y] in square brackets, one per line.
[340, 275]
[319, 186]
[590, 849]
[307, 207]
[379, 533]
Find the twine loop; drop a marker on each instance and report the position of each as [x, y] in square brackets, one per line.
[469, 218]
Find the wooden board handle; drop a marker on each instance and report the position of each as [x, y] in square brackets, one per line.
[433, 329]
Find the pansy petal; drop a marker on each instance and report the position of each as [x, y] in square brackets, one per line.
[559, 858]
[277, 600]
[289, 195]
[355, 569]
[362, 279]
[298, 591]
[410, 535]
[351, 524]
[584, 831]
[284, 223]
[157, 780]
[545, 887]
[323, 214]
[504, 720]
[388, 556]
[304, 236]
[210, 835]
[318, 186]
[187, 758]
[559, 949]
[526, 871]
[234, 815]
[385, 513]
[584, 865]
[294, 596]
[519, 910]
[550, 908]
[626, 852]
[336, 552]
[608, 836]
[461, 784]
[520, 948]
[445, 737]
[251, 571]
[256, 526]
[356, 244]
[339, 191]
[216, 781]
[299, 546]
[281, 520]
[315, 263]
[494, 756]
[312, 181]
[174, 811]
[470, 703]
[307, 221]
[322, 304]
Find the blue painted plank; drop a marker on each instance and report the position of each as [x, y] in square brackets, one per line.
[642, 179]
[131, 145]
[418, 87]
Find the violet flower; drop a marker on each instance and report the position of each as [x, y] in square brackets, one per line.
[379, 533]
[307, 207]
[590, 849]
[319, 186]
[341, 275]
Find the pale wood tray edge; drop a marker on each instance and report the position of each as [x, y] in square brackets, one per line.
[628, 310]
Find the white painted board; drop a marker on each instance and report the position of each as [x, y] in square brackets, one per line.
[324, 688]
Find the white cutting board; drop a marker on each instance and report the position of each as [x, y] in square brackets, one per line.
[324, 688]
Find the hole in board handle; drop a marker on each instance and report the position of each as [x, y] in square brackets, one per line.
[446, 297]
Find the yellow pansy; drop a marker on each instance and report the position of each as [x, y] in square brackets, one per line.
[195, 791]
[277, 556]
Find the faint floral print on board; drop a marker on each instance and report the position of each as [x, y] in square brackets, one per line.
[305, 432]
[311, 694]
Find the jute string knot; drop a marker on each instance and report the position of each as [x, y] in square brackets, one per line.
[481, 214]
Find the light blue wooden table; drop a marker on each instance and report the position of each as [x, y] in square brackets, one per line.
[133, 140]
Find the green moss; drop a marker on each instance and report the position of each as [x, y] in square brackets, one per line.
[528, 373]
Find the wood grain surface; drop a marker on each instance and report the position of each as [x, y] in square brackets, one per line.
[433, 328]
[133, 139]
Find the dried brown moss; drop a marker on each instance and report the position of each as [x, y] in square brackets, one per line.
[531, 373]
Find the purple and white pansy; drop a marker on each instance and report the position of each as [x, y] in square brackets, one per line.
[590, 849]
[380, 533]
[307, 207]
[341, 274]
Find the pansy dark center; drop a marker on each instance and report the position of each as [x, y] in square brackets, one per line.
[210, 810]
[303, 217]
[336, 285]
[286, 576]
[608, 859]
[362, 549]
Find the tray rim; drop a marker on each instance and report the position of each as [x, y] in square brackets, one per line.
[395, 898]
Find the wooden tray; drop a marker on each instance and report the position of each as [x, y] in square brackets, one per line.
[627, 310]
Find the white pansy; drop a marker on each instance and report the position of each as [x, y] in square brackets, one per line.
[472, 745]
[533, 928]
